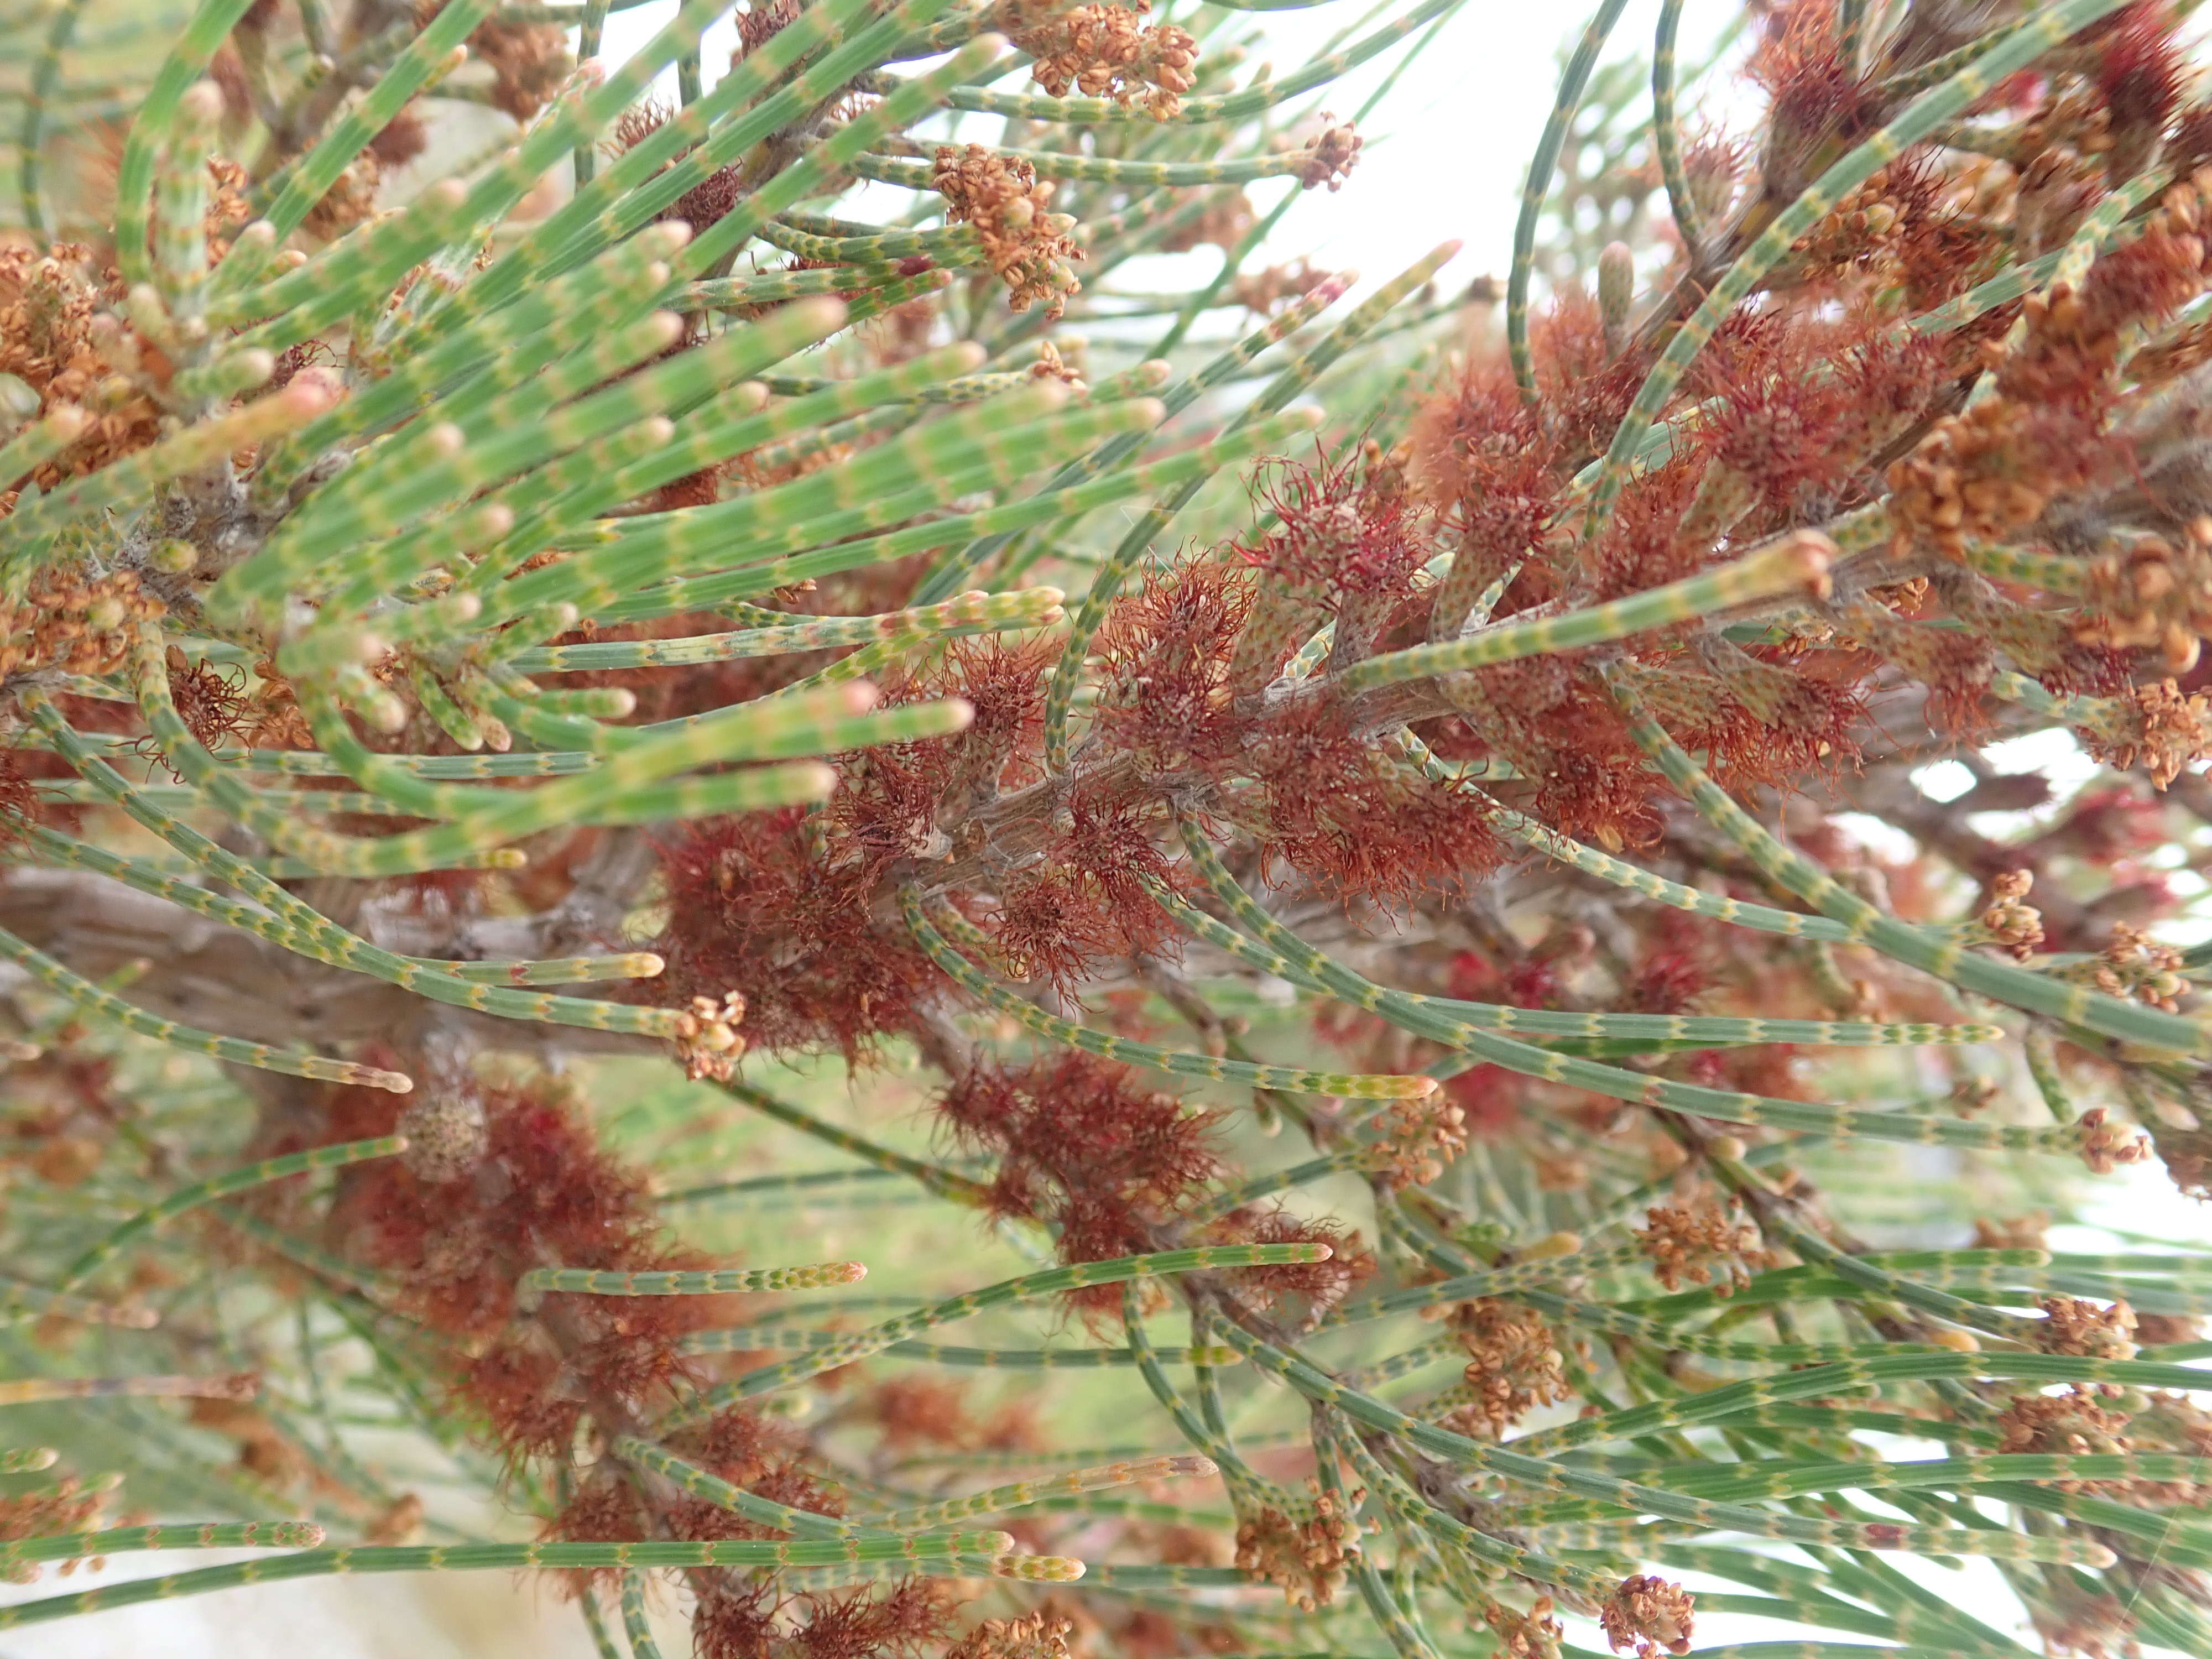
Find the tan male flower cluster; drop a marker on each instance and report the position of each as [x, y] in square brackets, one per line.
[1107, 51]
[1028, 247]
[73, 620]
[707, 1041]
[1330, 158]
[55, 338]
[1041, 1635]
[1534, 1634]
[2153, 726]
[1514, 1364]
[1304, 1556]
[2107, 1142]
[1051, 365]
[2078, 1423]
[2153, 591]
[1698, 1242]
[2134, 964]
[2009, 919]
[2072, 1326]
[1419, 1137]
[1649, 1615]
[1960, 483]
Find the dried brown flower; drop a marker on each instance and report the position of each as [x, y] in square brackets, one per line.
[1649, 1615]
[1302, 1554]
[1330, 158]
[2073, 1325]
[2155, 726]
[529, 61]
[1028, 247]
[1106, 52]
[2152, 592]
[1418, 1139]
[57, 336]
[2107, 1142]
[1696, 1243]
[349, 201]
[1514, 1364]
[1534, 1634]
[707, 1040]
[1041, 1635]
[75, 620]
[2008, 920]
[1051, 365]
[2134, 964]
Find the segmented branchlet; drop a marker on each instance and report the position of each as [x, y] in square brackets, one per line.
[1029, 1287]
[1291, 1078]
[902, 1556]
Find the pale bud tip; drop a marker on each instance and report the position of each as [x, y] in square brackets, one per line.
[310, 393]
[859, 696]
[959, 712]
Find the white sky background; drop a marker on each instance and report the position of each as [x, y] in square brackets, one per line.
[1445, 158]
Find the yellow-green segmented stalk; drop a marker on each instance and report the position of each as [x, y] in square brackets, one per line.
[1539, 186]
[968, 613]
[1285, 954]
[904, 1556]
[1289, 1080]
[801, 1523]
[1951, 960]
[106, 1005]
[209, 1535]
[156, 1216]
[582, 1281]
[312, 935]
[1022, 1494]
[1029, 1287]
[1516, 1467]
[1792, 563]
[31, 1390]
[748, 1339]
[1928, 113]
